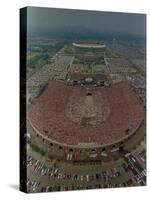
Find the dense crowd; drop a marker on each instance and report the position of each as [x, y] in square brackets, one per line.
[119, 65]
[57, 70]
[126, 114]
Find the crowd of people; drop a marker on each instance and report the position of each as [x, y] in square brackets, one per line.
[126, 114]
[119, 65]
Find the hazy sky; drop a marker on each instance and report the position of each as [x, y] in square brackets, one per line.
[49, 19]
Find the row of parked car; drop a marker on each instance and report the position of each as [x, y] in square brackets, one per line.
[33, 186]
[40, 168]
[104, 179]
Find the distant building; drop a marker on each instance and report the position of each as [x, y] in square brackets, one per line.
[89, 51]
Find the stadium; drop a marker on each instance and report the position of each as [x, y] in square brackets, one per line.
[85, 46]
[89, 51]
[86, 122]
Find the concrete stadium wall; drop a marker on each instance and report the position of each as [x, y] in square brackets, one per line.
[75, 153]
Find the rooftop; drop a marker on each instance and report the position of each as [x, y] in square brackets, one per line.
[89, 45]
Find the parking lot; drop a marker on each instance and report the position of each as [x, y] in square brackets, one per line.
[46, 175]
